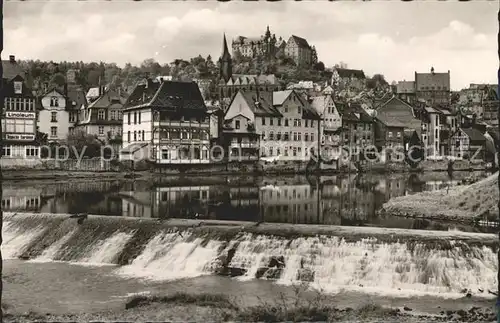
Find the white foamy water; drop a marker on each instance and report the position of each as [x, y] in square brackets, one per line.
[106, 251]
[15, 240]
[50, 253]
[170, 256]
[369, 266]
[328, 263]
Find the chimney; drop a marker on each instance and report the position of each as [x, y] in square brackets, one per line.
[12, 58]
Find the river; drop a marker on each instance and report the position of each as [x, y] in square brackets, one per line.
[131, 247]
[348, 200]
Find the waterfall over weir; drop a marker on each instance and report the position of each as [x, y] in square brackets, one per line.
[387, 261]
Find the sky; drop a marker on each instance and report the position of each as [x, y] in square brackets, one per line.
[388, 37]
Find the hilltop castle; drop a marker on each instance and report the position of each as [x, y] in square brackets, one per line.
[268, 46]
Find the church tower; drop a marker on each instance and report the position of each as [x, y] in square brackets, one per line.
[225, 62]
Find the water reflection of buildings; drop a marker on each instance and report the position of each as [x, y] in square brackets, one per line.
[336, 200]
[29, 199]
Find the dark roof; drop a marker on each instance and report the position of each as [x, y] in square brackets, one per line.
[77, 96]
[355, 113]
[344, 72]
[301, 42]
[109, 98]
[11, 70]
[308, 112]
[474, 134]
[261, 104]
[167, 94]
[397, 112]
[8, 89]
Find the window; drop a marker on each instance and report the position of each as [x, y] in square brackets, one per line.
[135, 135]
[271, 121]
[135, 117]
[263, 121]
[54, 102]
[53, 117]
[312, 137]
[139, 113]
[72, 117]
[237, 124]
[101, 130]
[279, 122]
[398, 134]
[100, 115]
[53, 131]
[286, 122]
[271, 135]
[306, 123]
[128, 118]
[312, 123]
[113, 115]
[128, 136]
[31, 152]
[390, 134]
[6, 151]
[299, 110]
[143, 135]
[18, 87]
[306, 137]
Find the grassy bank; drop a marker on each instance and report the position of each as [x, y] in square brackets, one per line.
[218, 307]
[462, 203]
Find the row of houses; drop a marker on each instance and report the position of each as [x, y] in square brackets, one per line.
[57, 113]
[170, 123]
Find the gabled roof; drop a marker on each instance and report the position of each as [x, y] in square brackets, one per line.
[53, 89]
[261, 104]
[301, 42]
[279, 97]
[354, 112]
[11, 70]
[397, 112]
[167, 94]
[474, 134]
[77, 96]
[108, 99]
[344, 72]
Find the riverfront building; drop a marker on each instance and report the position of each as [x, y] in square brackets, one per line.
[19, 115]
[280, 125]
[166, 122]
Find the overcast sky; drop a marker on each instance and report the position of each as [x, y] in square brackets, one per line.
[392, 38]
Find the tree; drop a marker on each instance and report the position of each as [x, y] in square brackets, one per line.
[58, 80]
[83, 144]
[320, 66]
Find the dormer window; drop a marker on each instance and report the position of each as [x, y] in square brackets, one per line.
[100, 115]
[18, 87]
[54, 101]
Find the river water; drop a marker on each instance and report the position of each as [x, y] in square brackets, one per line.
[348, 200]
[92, 266]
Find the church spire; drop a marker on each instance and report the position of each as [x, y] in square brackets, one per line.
[225, 61]
[225, 51]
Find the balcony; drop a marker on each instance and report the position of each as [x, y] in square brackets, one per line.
[182, 124]
[254, 145]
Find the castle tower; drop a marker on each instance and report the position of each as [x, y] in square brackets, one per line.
[225, 61]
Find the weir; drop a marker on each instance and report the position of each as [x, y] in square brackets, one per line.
[388, 261]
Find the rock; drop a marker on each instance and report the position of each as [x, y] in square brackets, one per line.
[406, 308]
[449, 313]
[462, 313]
[469, 295]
